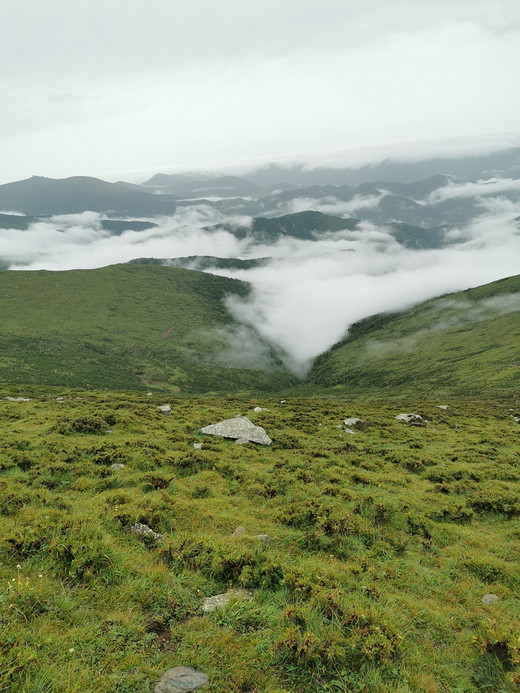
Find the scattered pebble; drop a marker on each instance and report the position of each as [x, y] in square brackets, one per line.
[263, 537]
[489, 599]
[181, 680]
[219, 600]
[145, 532]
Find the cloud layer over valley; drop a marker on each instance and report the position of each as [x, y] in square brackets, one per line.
[309, 290]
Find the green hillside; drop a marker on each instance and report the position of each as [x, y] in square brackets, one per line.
[463, 343]
[303, 225]
[125, 326]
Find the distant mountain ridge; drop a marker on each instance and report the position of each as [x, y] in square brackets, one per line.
[38, 196]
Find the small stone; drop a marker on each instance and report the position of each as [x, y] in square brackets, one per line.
[352, 421]
[181, 680]
[442, 406]
[489, 599]
[257, 410]
[198, 446]
[116, 465]
[238, 531]
[145, 532]
[219, 600]
[165, 409]
[18, 399]
[60, 399]
[241, 441]
[409, 418]
[349, 430]
[148, 394]
[263, 537]
[283, 401]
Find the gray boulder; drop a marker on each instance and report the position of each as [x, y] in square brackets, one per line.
[238, 427]
[181, 680]
[165, 409]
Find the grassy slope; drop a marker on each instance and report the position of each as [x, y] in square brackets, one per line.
[384, 544]
[122, 326]
[465, 343]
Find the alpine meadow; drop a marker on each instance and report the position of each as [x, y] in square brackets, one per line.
[259, 433]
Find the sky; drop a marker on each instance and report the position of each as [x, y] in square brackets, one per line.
[126, 88]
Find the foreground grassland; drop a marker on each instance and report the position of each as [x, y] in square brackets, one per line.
[383, 544]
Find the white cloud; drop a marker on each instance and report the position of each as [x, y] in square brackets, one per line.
[490, 187]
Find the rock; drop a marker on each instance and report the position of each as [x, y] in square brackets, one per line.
[489, 599]
[263, 537]
[181, 680]
[283, 401]
[442, 406]
[165, 409]
[409, 418]
[238, 427]
[241, 441]
[18, 399]
[60, 399]
[349, 430]
[198, 446]
[145, 532]
[257, 410]
[116, 465]
[148, 394]
[238, 531]
[219, 600]
[353, 421]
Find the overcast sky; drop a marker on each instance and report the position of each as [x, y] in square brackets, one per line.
[125, 88]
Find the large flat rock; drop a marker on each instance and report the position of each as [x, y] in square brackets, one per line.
[238, 427]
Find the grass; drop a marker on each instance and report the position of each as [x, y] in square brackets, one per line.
[384, 543]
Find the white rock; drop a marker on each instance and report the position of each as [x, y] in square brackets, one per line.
[442, 406]
[352, 421]
[257, 410]
[198, 446]
[165, 409]
[409, 417]
[238, 427]
[349, 430]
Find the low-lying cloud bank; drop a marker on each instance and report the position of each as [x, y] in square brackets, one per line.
[304, 299]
